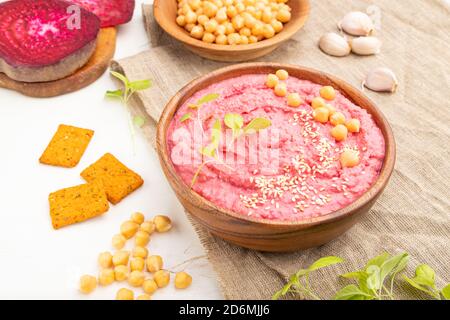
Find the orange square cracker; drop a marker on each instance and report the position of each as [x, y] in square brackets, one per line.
[117, 179]
[67, 146]
[77, 204]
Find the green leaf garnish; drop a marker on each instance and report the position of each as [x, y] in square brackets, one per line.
[140, 85]
[207, 98]
[351, 292]
[124, 94]
[139, 121]
[325, 262]
[187, 116]
[256, 125]
[446, 292]
[235, 122]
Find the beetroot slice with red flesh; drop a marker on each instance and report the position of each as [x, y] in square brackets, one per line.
[41, 41]
[110, 12]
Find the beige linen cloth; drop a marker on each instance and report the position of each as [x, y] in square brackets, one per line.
[413, 214]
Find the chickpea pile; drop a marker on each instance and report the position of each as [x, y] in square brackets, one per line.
[233, 22]
[323, 112]
[132, 266]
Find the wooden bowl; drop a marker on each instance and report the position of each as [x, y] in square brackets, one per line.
[165, 12]
[263, 234]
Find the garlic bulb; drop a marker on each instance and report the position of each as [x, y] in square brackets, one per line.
[357, 23]
[334, 45]
[381, 80]
[366, 45]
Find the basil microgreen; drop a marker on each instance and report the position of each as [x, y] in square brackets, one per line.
[235, 122]
[205, 99]
[299, 282]
[186, 117]
[256, 125]
[424, 280]
[139, 121]
[124, 95]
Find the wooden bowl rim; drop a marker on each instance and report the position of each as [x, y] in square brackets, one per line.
[376, 188]
[284, 35]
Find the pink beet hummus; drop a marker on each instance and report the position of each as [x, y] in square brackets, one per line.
[297, 173]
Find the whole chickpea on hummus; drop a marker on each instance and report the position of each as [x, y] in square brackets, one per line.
[320, 153]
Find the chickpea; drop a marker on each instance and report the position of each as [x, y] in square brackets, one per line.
[245, 32]
[258, 29]
[339, 132]
[238, 22]
[87, 284]
[229, 29]
[211, 26]
[210, 9]
[283, 15]
[328, 93]
[208, 37]
[128, 229]
[140, 252]
[118, 241]
[142, 239]
[162, 278]
[252, 39]
[221, 15]
[154, 263]
[250, 21]
[190, 17]
[121, 273]
[240, 7]
[281, 90]
[221, 29]
[182, 280]
[150, 286]
[244, 40]
[232, 11]
[136, 278]
[353, 125]
[181, 21]
[106, 277]
[138, 217]
[105, 260]
[185, 8]
[234, 39]
[197, 32]
[222, 39]
[121, 258]
[267, 15]
[162, 223]
[202, 19]
[317, 103]
[188, 27]
[277, 25]
[268, 31]
[337, 118]
[294, 100]
[272, 80]
[137, 264]
[194, 4]
[124, 294]
[282, 74]
[144, 297]
[349, 159]
[331, 109]
[321, 115]
[148, 226]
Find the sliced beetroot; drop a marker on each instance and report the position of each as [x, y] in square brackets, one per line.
[110, 12]
[40, 41]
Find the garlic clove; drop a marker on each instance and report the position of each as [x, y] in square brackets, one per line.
[366, 46]
[334, 45]
[357, 23]
[381, 80]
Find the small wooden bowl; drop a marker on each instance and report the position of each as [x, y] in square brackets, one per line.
[165, 12]
[263, 234]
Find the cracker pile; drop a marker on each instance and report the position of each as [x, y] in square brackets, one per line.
[107, 179]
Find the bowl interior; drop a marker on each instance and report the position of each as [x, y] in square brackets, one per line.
[315, 76]
[165, 12]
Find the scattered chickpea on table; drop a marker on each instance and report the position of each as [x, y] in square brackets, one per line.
[233, 22]
[132, 265]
